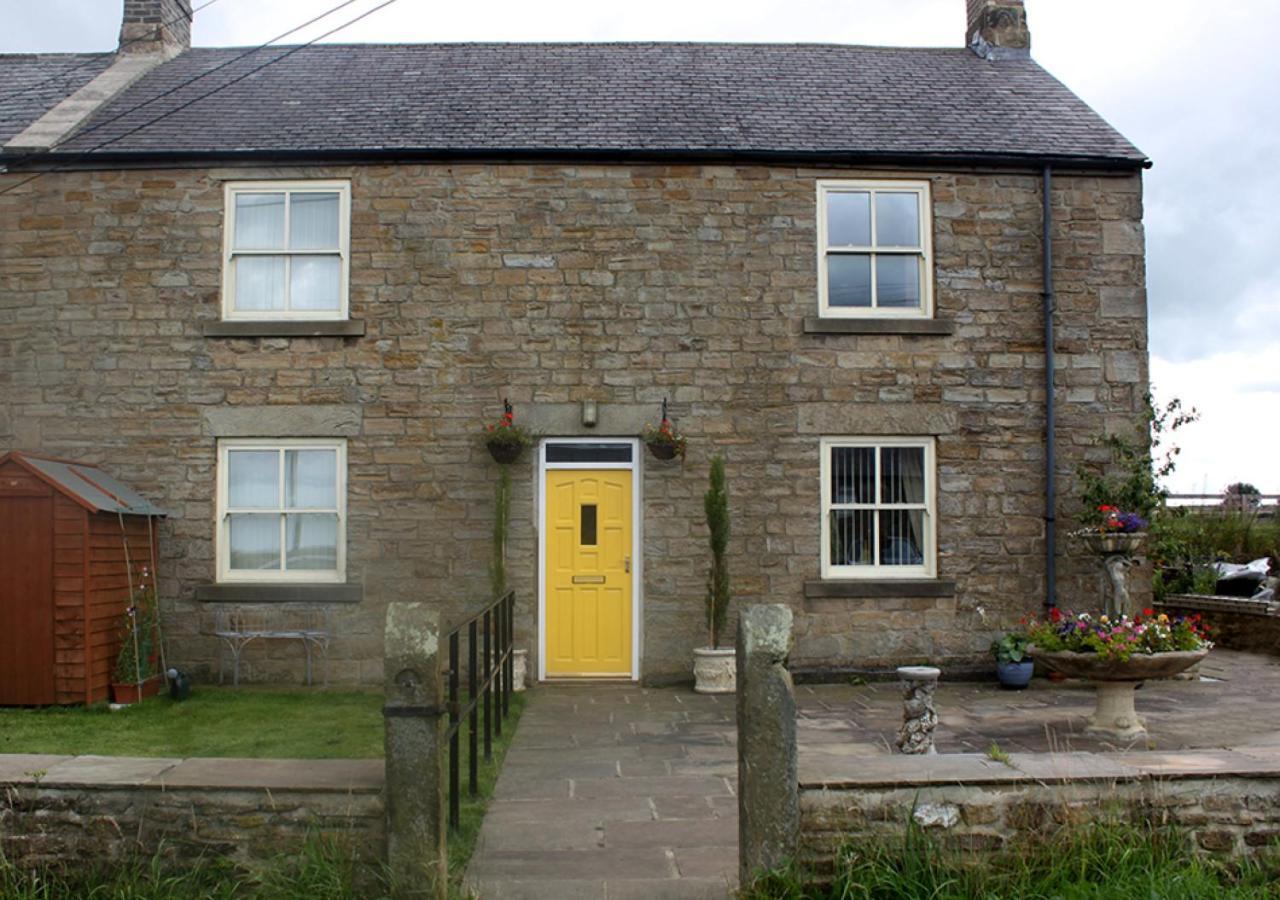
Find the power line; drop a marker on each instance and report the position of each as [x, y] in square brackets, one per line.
[80, 65]
[84, 153]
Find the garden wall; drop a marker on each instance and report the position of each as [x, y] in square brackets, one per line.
[1227, 801]
[1235, 623]
[62, 809]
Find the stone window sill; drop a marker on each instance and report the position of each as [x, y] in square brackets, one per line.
[879, 588]
[279, 593]
[348, 328]
[817, 325]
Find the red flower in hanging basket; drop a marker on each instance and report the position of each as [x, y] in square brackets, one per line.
[665, 442]
[505, 439]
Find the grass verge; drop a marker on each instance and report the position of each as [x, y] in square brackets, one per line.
[1111, 862]
[260, 722]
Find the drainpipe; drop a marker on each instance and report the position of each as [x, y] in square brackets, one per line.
[1050, 420]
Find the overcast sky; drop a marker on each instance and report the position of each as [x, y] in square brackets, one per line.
[1195, 90]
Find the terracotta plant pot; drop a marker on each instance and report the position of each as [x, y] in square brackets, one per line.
[662, 449]
[129, 693]
[504, 452]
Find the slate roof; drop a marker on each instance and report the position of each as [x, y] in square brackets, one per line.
[582, 99]
[31, 84]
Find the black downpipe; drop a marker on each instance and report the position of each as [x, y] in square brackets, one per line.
[1050, 421]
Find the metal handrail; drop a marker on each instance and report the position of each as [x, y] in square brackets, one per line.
[491, 652]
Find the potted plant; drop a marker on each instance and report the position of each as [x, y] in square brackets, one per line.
[715, 667]
[1013, 664]
[1116, 654]
[135, 675]
[664, 442]
[505, 439]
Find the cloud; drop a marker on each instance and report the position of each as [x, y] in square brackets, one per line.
[1236, 393]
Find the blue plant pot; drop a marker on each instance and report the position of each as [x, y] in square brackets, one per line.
[1015, 675]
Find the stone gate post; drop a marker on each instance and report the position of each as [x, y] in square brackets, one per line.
[416, 788]
[768, 777]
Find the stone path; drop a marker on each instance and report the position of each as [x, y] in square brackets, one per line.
[614, 791]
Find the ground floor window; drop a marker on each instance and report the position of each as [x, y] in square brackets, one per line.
[282, 510]
[878, 507]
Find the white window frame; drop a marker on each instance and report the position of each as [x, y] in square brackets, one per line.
[231, 190]
[930, 506]
[924, 251]
[224, 511]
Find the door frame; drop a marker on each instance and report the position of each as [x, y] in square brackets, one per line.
[637, 540]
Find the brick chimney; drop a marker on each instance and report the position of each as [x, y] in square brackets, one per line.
[161, 27]
[998, 29]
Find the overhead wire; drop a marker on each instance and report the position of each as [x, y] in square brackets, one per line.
[65, 73]
[169, 112]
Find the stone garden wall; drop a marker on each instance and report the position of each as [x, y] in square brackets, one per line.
[1236, 623]
[87, 810]
[1221, 806]
[553, 284]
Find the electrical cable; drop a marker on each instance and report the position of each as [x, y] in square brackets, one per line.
[289, 52]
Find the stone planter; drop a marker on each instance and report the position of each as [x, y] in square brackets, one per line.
[505, 452]
[1115, 681]
[1115, 544]
[715, 670]
[1015, 675]
[130, 693]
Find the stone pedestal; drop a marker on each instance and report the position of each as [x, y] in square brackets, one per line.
[919, 718]
[519, 669]
[1115, 716]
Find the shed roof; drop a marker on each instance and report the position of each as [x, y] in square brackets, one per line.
[89, 486]
[679, 99]
[31, 84]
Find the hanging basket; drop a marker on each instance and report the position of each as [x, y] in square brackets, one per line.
[505, 452]
[663, 449]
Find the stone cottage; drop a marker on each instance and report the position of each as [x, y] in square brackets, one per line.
[280, 291]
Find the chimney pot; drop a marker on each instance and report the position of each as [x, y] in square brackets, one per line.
[998, 29]
[155, 27]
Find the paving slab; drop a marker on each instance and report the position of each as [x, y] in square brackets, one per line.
[24, 768]
[277, 774]
[103, 770]
[603, 788]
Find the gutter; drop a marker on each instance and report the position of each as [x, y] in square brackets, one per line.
[70, 159]
[1050, 413]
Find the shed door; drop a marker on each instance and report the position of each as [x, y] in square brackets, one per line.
[26, 601]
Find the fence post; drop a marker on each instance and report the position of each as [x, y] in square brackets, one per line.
[415, 774]
[768, 777]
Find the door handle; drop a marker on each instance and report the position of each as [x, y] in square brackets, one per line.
[626, 564]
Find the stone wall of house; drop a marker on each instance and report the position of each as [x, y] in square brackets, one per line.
[553, 284]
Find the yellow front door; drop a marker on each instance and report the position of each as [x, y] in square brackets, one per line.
[588, 572]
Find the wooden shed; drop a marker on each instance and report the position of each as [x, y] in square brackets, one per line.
[66, 531]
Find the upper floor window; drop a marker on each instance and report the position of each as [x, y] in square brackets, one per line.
[282, 508]
[875, 254]
[878, 507]
[286, 249]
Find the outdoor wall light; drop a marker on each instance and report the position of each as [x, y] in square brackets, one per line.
[589, 413]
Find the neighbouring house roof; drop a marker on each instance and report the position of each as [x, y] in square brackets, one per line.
[31, 84]
[89, 486]
[696, 100]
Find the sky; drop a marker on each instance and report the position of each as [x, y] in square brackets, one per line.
[1196, 91]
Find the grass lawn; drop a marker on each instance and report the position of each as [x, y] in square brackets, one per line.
[268, 722]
